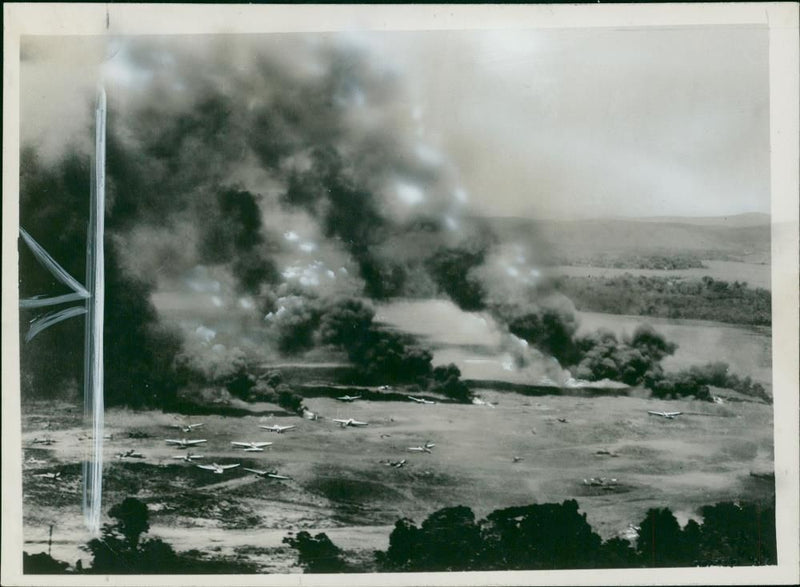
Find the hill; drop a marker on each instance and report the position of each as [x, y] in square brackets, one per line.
[742, 238]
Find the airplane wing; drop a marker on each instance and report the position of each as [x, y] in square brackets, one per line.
[270, 427]
[340, 421]
[229, 466]
[196, 441]
[275, 476]
[193, 426]
[207, 467]
[674, 413]
[287, 427]
[173, 442]
[357, 423]
[260, 444]
[244, 444]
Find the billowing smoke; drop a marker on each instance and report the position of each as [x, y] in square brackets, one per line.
[276, 172]
[290, 177]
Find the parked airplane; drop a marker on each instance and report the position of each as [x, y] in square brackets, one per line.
[188, 457]
[606, 452]
[420, 400]
[84, 436]
[427, 448]
[184, 443]
[349, 422]
[130, 454]
[395, 464]
[186, 428]
[600, 482]
[517, 459]
[668, 415]
[273, 474]
[52, 476]
[766, 476]
[218, 469]
[278, 428]
[385, 388]
[45, 441]
[348, 398]
[251, 446]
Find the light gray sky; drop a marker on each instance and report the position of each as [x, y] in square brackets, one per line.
[599, 122]
[543, 123]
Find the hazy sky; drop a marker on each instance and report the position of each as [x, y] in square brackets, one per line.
[566, 122]
[602, 122]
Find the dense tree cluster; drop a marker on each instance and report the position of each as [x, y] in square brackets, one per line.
[670, 297]
[317, 554]
[557, 536]
[671, 262]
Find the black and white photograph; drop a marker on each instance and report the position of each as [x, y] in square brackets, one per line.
[401, 300]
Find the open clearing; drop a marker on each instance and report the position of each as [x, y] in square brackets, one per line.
[340, 486]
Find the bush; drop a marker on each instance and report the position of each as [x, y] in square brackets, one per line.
[317, 554]
[42, 563]
[661, 541]
[121, 549]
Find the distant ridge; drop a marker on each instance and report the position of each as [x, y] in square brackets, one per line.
[735, 237]
[733, 220]
[743, 220]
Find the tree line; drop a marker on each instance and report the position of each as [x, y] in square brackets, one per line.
[547, 536]
[669, 297]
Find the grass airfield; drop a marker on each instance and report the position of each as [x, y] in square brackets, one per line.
[340, 485]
